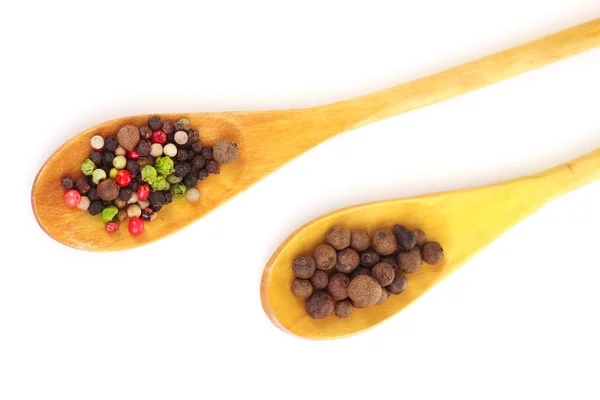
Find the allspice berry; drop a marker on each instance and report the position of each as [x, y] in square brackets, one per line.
[433, 253]
[302, 288]
[398, 285]
[360, 240]
[384, 296]
[326, 257]
[225, 151]
[369, 258]
[338, 286]
[409, 262]
[338, 237]
[107, 190]
[384, 242]
[420, 236]
[304, 267]
[347, 260]
[320, 279]
[392, 260]
[406, 240]
[128, 137]
[360, 271]
[398, 229]
[383, 273]
[319, 305]
[343, 309]
[364, 291]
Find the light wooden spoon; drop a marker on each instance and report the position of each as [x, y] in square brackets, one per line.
[269, 139]
[463, 221]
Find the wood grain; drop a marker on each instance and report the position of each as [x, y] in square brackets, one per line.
[464, 222]
[269, 139]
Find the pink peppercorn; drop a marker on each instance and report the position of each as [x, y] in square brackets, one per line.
[133, 155]
[111, 227]
[136, 226]
[123, 178]
[72, 198]
[159, 136]
[143, 192]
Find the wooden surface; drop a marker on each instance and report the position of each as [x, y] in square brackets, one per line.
[269, 139]
[464, 222]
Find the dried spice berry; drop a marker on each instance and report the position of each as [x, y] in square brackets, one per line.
[409, 262]
[145, 132]
[95, 207]
[193, 136]
[146, 214]
[96, 157]
[407, 240]
[154, 122]
[168, 127]
[304, 267]
[338, 286]
[134, 185]
[225, 152]
[92, 194]
[128, 137]
[207, 152]
[398, 229]
[156, 199]
[392, 260]
[384, 296]
[343, 309]
[319, 305]
[398, 285]
[190, 153]
[180, 170]
[384, 242]
[72, 198]
[360, 240]
[190, 180]
[125, 194]
[302, 288]
[121, 216]
[143, 148]
[320, 279]
[369, 258]
[364, 291]
[383, 273]
[82, 185]
[108, 190]
[66, 182]
[197, 147]
[202, 174]
[198, 162]
[133, 167]
[360, 271]
[110, 143]
[338, 237]
[325, 257]
[433, 253]
[181, 156]
[212, 167]
[420, 237]
[182, 124]
[180, 137]
[136, 226]
[347, 260]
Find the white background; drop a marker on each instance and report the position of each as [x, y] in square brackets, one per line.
[181, 318]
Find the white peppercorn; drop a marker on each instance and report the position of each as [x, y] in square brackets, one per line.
[181, 137]
[134, 211]
[156, 150]
[119, 162]
[133, 199]
[170, 150]
[84, 203]
[120, 151]
[144, 204]
[192, 194]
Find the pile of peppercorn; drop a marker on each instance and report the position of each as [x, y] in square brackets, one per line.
[138, 171]
[355, 270]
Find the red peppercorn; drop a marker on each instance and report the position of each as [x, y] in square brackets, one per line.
[123, 178]
[136, 226]
[111, 227]
[159, 136]
[133, 155]
[143, 192]
[72, 198]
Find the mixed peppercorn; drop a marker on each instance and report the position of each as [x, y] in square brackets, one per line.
[357, 270]
[138, 171]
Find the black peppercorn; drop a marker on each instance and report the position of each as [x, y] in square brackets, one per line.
[191, 154]
[202, 174]
[168, 127]
[106, 203]
[92, 194]
[134, 185]
[107, 158]
[207, 152]
[213, 167]
[66, 182]
[143, 161]
[146, 214]
[145, 132]
[182, 125]
[139, 179]
[106, 169]
[133, 167]
[193, 136]
[143, 148]
[189, 180]
[369, 258]
[95, 207]
[125, 194]
[197, 147]
[180, 170]
[181, 155]
[90, 180]
[82, 185]
[154, 122]
[96, 157]
[171, 138]
[156, 208]
[198, 162]
[156, 198]
[110, 144]
[168, 197]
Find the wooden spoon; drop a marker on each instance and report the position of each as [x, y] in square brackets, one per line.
[269, 139]
[463, 221]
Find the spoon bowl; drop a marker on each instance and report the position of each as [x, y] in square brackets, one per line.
[463, 222]
[269, 139]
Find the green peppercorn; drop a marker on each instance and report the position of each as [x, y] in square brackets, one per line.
[164, 165]
[109, 213]
[178, 190]
[98, 175]
[160, 183]
[148, 173]
[172, 179]
[87, 167]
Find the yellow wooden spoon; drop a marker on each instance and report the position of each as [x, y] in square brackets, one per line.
[464, 222]
[269, 139]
